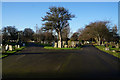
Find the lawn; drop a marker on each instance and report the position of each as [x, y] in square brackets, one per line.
[11, 52]
[47, 47]
[102, 48]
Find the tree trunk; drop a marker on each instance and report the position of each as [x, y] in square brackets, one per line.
[99, 40]
[60, 40]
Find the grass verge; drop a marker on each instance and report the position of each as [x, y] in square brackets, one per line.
[48, 47]
[102, 48]
[7, 53]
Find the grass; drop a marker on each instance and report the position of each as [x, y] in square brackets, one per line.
[47, 47]
[11, 52]
[3, 55]
[19, 49]
[102, 48]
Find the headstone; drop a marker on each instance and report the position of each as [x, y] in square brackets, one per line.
[106, 48]
[113, 51]
[6, 47]
[18, 46]
[72, 43]
[74, 46]
[41, 42]
[69, 44]
[75, 42]
[55, 45]
[44, 42]
[10, 48]
[66, 46]
[102, 43]
[59, 44]
[64, 42]
[117, 45]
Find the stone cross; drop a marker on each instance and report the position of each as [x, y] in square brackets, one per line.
[117, 45]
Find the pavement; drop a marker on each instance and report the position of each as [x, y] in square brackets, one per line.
[35, 62]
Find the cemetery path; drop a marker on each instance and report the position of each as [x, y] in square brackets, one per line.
[37, 62]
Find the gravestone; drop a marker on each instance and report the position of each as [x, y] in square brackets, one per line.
[41, 42]
[102, 43]
[72, 43]
[55, 45]
[64, 42]
[44, 42]
[69, 44]
[106, 48]
[18, 46]
[117, 45]
[113, 51]
[10, 48]
[59, 44]
[6, 47]
[66, 46]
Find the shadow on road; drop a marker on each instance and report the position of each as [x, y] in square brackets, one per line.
[30, 44]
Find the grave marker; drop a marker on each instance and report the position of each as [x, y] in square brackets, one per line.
[10, 48]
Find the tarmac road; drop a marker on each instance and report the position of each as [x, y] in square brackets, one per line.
[37, 62]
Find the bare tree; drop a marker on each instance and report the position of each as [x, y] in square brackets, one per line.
[97, 30]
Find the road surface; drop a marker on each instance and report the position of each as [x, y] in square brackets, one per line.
[37, 62]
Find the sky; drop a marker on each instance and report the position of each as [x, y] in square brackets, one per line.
[28, 14]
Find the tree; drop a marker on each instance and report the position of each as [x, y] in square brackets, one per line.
[57, 18]
[28, 34]
[66, 33]
[9, 33]
[97, 30]
[113, 34]
[74, 37]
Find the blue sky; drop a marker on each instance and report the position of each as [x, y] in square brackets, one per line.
[28, 14]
